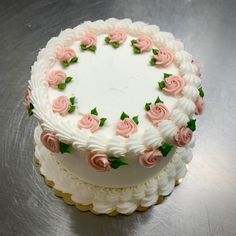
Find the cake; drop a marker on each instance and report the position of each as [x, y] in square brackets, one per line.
[116, 103]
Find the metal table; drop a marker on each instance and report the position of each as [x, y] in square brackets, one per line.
[204, 204]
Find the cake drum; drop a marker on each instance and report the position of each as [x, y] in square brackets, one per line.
[204, 204]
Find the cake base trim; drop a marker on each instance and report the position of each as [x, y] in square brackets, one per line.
[110, 201]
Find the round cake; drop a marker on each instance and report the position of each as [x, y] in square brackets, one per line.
[116, 103]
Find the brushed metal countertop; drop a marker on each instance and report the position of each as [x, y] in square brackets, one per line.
[204, 204]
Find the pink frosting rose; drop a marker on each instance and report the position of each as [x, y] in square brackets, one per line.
[61, 105]
[157, 113]
[89, 40]
[144, 43]
[197, 64]
[118, 36]
[27, 98]
[183, 136]
[174, 85]
[89, 121]
[150, 158]
[99, 161]
[126, 127]
[50, 141]
[56, 77]
[199, 106]
[65, 54]
[164, 57]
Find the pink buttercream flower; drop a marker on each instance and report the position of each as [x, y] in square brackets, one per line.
[199, 103]
[126, 127]
[27, 98]
[198, 65]
[117, 36]
[50, 141]
[150, 158]
[89, 121]
[61, 105]
[183, 136]
[65, 54]
[164, 57]
[157, 113]
[56, 77]
[99, 161]
[89, 40]
[144, 43]
[174, 85]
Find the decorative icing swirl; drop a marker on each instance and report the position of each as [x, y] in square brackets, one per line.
[27, 98]
[164, 57]
[65, 54]
[99, 161]
[144, 43]
[117, 36]
[61, 105]
[89, 121]
[150, 158]
[56, 77]
[50, 141]
[157, 113]
[126, 127]
[89, 40]
[174, 85]
[199, 106]
[197, 64]
[183, 136]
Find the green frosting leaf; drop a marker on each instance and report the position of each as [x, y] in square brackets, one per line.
[133, 41]
[65, 148]
[68, 79]
[116, 162]
[166, 75]
[74, 59]
[201, 92]
[165, 149]
[135, 119]
[155, 51]
[147, 106]
[83, 47]
[152, 61]
[107, 40]
[72, 109]
[94, 111]
[192, 124]
[102, 121]
[92, 48]
[136, 50]
[115, 45]
[158, 100]
[65, 63]
[161, 84]
[72, 100]
[123, 116]
[30, 111]
[61, 86]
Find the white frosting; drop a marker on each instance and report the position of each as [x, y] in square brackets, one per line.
[125, 83]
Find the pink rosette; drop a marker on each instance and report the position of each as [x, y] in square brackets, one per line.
[174, 85]
[197, 64]
[183, 136]
[144, 43]
[126, 127]
[117, 36]
[150, 158]
[89, 121]
[157, 113]
[65, 54]
[61, 105]
[199, 103]
[89, 40]
[27, 98]
[99, 161]
[56, 77]
[50, 141]
[164, 57]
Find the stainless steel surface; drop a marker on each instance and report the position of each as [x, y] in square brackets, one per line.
[204, 204]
